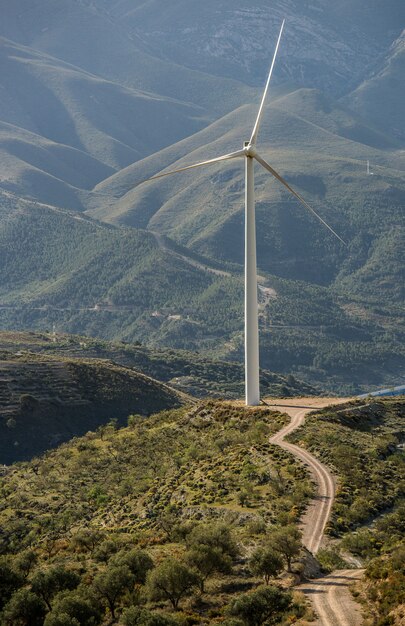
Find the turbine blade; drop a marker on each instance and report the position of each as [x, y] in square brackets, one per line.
[255, 132]
[225, 157]
[297, 195]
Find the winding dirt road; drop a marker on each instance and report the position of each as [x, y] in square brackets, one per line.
[329, 595]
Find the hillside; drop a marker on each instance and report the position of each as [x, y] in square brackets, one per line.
[45, 400]
[93, 279]
[168, 489]
[363, 443]
[97, 96]
[188, 372]
[154, 491]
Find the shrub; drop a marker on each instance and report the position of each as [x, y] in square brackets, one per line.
[286, 541]
[77, 606]
[207, 560]
[138, 561]
[135, 616]
[266, 604]
[10, 581]
[111, 584]
[24, 609]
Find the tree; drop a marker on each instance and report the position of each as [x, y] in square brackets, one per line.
[214, 535]
[78, 606]
[138, 561]
[266, 562]
[10, 581]
[172, 580]
[47, 583]
[136, 616]
[86, 539]
[286, 541]
[24, 609]
[111, 584]
[207, 560]
[24, 562]
[266, 604]
[60, 619]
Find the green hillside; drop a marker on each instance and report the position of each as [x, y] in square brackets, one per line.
[179, 485]
[122, 508]
[380, 95]
[97, 96]
[188, 372]
[126, 284]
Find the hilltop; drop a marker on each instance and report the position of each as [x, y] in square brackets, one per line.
[165, 485]
[188, 372]
[146, 487]
[55, 387]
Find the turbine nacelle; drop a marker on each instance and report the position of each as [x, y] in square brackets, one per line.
[249, 149]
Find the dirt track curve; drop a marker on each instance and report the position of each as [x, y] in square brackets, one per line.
[330, 595]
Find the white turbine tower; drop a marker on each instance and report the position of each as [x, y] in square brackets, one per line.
[249, 153]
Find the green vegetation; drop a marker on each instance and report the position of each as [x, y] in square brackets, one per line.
[363, 444]
[123, 284]
[189, 372]
[147, 524]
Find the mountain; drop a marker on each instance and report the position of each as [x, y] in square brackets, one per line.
[64, 130]
[380, 96]
[96, 96]
[319, 146]
[87, 277]
[336, 40]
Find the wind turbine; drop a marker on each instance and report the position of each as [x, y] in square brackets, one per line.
[250, 154]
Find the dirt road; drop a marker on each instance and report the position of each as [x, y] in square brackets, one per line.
[330, 595]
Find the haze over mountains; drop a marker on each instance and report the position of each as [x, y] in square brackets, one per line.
[96, 96]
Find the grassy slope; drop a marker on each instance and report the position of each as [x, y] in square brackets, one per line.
[380, 95]
[141, 485]
[64, 130]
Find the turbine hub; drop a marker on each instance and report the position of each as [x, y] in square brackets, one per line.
[249, 149]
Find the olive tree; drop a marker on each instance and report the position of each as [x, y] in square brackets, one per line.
[172, 580]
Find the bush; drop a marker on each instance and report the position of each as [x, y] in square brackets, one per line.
[24, 609]
[286, 541]
[47, 583]
[10, 581]
[207, 560]
[264, 605]
[135, 616]
[111, 584]
[213, 535]
[76, 606]
[138, 562]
